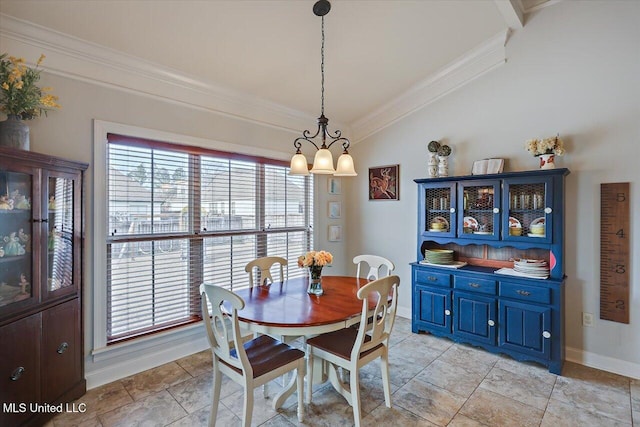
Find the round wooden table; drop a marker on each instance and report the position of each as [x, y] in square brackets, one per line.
[285, 308]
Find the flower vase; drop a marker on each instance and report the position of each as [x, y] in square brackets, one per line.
[14, 133]
[315, 280]
[432, 166]
[443, 166]
[547, 161]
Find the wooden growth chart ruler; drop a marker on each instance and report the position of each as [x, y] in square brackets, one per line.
[614, 252]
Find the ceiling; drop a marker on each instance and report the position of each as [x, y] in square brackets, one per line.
[375, 50]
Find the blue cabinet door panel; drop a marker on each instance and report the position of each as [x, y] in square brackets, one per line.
[432, 306]
[473, 315]
[524, 327]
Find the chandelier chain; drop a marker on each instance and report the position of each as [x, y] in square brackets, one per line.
[322, 70]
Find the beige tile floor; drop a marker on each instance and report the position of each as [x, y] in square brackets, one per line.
[435, 382]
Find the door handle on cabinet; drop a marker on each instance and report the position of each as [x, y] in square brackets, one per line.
[15, 375]
[496, 210]
[523, 293]
[491, 323]
[447, 312]
[546, 334]
[474, 285]
[62, 348]
[452, 210]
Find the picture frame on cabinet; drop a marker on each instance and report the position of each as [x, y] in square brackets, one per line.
[335, 233]
[384, 182]
[335, 210]
[335, 186]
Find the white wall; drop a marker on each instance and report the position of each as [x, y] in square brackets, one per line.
[572, 70]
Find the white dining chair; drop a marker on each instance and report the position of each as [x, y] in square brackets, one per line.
[375, 263]
[351, 348]
[250, 364]
[264, 265]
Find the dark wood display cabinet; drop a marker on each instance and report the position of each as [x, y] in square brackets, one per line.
[488, 221]
[41, 331]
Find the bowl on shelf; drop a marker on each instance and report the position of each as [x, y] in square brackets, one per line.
[515, 231]
[537, 228]
[438, 225]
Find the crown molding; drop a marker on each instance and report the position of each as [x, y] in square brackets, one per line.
[79, 59]
[512, 11]
[473, 64]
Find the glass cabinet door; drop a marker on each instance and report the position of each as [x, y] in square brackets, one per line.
[529, 206]
[439, 217]
[16, 240]
[479, 216]
[60, 226]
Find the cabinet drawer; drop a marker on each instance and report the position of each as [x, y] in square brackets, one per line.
[426, 277]
[475, 285]
[525, 293]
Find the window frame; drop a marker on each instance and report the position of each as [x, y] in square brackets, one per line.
[156, 140]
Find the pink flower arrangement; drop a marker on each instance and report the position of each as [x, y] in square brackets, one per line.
[315, 258]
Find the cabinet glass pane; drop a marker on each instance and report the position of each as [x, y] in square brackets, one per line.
[15, 237]
[477, 206]
[60, 236]
[438, 202]
[526, 210]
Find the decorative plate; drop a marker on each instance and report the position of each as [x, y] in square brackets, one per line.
[514, 223]
[470, 222]
[441, 220]
[537, 221]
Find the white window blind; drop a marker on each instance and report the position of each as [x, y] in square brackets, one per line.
[180, 215]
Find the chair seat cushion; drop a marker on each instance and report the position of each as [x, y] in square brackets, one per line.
[340, 343]
[266, 354]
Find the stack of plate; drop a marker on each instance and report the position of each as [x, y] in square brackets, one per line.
[532, 267]
[438, 256]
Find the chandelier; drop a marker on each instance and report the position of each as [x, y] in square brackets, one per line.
[323, 160]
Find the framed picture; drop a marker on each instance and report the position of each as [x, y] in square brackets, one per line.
[384, 183]
[335, 233]
[335, 209]
[335, 186]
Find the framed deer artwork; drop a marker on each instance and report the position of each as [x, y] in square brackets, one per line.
[384, 183]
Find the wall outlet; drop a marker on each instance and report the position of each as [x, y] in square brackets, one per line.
[587, 319]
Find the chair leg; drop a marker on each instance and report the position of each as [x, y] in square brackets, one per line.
[300, 372]
[309, 374]
[384, 366]
[247, 410]
[355, 395]
[215, 399]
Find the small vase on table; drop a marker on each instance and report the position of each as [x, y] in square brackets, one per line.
[315, 280]
[547, 161]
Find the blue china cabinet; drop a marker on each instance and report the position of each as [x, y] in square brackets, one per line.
[488, 221]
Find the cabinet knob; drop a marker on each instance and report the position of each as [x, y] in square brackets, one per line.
[491, 322]
[496, 210]
[546, 334]
[523, 293]
[15, 375]
[548, 210]
[62, 348]
[447, 312]
[432, 279]
[474, 285]
[452, 210]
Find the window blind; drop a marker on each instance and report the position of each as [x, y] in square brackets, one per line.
[180, 216]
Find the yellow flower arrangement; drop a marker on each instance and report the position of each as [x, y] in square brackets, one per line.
[553, 145]
[19, 94]
[315, 258]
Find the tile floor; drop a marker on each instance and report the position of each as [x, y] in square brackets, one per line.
[435, 382]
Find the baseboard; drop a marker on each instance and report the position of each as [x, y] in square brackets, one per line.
[404, 312]
[605, 363]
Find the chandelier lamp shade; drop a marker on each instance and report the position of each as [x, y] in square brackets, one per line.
[323, 160]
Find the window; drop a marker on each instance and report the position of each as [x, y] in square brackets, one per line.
[178, 216]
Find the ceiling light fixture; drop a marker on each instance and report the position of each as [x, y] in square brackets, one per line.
[323, 160]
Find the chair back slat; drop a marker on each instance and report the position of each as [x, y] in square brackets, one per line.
[382, 317]
[217, 322]
[375, 263]
[264, 265]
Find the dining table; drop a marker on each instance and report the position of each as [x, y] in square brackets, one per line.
[285, 309]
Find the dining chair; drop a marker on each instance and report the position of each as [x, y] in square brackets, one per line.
[374, 262]
[264, 265]
[250, 364]
[351, 348]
